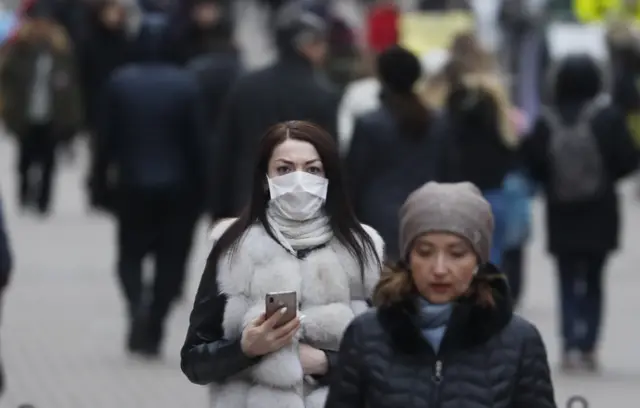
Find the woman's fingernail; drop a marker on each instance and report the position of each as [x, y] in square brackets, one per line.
[301, 317]
[283, 310]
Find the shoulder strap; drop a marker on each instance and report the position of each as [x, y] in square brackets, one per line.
[553, 119]
[595, 106]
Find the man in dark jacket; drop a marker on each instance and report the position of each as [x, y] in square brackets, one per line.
[6, 265]
[217, 69]
[152, 135]
[291, 89]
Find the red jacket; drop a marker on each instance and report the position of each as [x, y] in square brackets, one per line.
[382, 27]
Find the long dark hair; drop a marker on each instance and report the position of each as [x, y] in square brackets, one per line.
[412, 115]
[342, 220]
[399, 69]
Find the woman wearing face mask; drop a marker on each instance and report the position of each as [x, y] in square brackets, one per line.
[443, 334]
[297, 234]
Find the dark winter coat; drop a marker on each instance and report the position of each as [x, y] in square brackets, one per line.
[384, 167]
[16, 80]
[288, 90]
[488, 358]
[102, 52]
[152, 129]
[592, 226]
[216, 73]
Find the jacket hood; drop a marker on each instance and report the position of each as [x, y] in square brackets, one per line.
[471, 323]
[576, 79]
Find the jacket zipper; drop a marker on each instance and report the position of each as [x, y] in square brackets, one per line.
[437, 380]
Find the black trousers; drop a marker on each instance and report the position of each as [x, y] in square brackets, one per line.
[36, 166]
[581, 299]
[513, 266]
[160, 224]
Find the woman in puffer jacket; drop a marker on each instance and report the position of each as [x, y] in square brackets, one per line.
[443, 334]
[298, 234]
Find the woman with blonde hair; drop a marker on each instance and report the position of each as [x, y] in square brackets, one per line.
[484, 138]
[443, 334]
[466, 56]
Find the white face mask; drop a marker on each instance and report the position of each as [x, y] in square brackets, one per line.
[299, 195]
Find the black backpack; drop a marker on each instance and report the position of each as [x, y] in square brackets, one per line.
[576, 163]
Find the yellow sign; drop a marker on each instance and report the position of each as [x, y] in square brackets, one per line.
[426, 32]
[589, 11]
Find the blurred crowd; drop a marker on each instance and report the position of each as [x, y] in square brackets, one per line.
[175, 125]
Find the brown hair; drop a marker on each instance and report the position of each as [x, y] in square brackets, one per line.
[396, 285]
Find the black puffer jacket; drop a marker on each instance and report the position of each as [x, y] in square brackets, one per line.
[488, 358]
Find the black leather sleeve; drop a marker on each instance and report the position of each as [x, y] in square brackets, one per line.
[347, 387]
[206, 356]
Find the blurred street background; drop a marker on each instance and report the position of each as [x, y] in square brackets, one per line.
[63, 327]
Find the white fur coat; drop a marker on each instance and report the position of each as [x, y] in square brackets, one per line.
[330, 294]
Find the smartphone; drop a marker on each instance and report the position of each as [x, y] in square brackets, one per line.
[277, 300]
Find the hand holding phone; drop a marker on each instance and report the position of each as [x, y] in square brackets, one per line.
[281, 300]
[274, 329]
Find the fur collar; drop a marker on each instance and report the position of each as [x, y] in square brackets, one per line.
[56, 37]
[471, 324]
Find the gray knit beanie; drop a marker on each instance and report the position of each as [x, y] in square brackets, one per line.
[458, 208]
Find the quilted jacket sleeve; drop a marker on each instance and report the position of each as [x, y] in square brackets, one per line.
[347, 381]
[534, 388]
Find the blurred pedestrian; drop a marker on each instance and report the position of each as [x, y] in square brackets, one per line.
[209, 25]
[396, 148]
[105, 49]
[41, 102]
[343, 63]
[478, 122]
[6, 267]
[443, 319]
[466, 56]
[362, 95]
[578, 151]
[523, 50]
[297, 234]
[152, 136]
[217, 69]
[290, 89]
